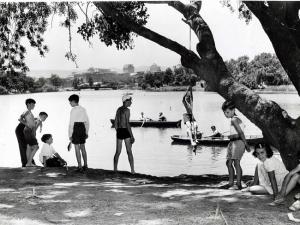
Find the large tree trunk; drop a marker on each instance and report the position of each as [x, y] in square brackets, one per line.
[280, 21]
[267, 115]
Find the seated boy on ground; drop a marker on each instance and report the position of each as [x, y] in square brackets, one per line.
[48, 156]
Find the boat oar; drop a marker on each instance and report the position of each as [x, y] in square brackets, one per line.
[143, 123]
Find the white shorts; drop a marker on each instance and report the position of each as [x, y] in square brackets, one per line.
[191, 125]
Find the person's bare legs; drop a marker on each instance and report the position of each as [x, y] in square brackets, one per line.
[239, 172]
[230, 171]
[78, 155]
[33, 150]
[28, 152]
[292, 184]
[84, 155]
[129, 153]
[117, 154]
[258, 190]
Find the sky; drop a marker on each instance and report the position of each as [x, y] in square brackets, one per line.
[233, 38]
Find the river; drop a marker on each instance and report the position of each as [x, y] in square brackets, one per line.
[153, 150]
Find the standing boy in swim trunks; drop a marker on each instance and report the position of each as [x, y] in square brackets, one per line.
[29, 131]
[78, 131]
[236, 146]
[20, 132]
[124, 132]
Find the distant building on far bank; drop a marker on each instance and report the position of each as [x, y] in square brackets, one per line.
[154, 68]
[128, 68]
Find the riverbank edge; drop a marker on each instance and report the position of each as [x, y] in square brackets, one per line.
[93, 173]
[42, 196]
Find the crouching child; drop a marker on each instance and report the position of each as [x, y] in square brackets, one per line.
[48, 156]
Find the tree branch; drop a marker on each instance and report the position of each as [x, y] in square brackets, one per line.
[141, 30]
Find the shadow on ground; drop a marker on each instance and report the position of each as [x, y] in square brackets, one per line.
[57, 196]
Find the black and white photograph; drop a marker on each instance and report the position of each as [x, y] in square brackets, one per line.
[150, 112]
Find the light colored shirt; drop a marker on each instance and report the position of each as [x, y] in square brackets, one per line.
[47, 151]
[78, 114]
[269, 165]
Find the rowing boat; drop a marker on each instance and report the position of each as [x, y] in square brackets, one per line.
[152, 123]
[180, 139]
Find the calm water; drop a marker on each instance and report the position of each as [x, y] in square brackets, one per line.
[153, 151]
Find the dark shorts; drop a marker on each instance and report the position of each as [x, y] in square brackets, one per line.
[54, 162]
[123, 133]
[79, 133]
[29, 135]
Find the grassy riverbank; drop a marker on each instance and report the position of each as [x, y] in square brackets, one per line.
[56, 196]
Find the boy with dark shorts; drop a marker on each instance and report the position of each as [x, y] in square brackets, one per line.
[124, 132]
[29, 131]
[20, 132]
[78, 131]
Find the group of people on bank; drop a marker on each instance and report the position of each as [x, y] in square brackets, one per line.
[271, 176]
[28, 143]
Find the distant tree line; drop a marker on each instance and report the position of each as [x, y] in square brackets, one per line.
[18, 82]
[180, 76]
[265, 68]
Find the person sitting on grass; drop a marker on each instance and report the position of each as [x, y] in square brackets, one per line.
[289, 183]
[269, 172]
[48, 156]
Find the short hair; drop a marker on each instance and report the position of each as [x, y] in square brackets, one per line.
[228, 105]
[267, 147]
[29, 101]
[43, 114]
[46, 137]
[74, 98]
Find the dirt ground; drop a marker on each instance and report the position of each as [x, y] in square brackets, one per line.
[56, 196]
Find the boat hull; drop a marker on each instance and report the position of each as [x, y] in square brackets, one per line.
[158, 124]
[251, 140]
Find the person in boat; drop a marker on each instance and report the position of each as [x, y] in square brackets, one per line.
[123, 130]
[144, 118]
[188, 117]
[216, 133]
[161, 117]
[236, 146]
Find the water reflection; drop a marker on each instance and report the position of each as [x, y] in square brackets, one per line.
[215, 152]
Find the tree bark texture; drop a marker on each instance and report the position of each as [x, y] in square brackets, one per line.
[279, 21]
[209, 66]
